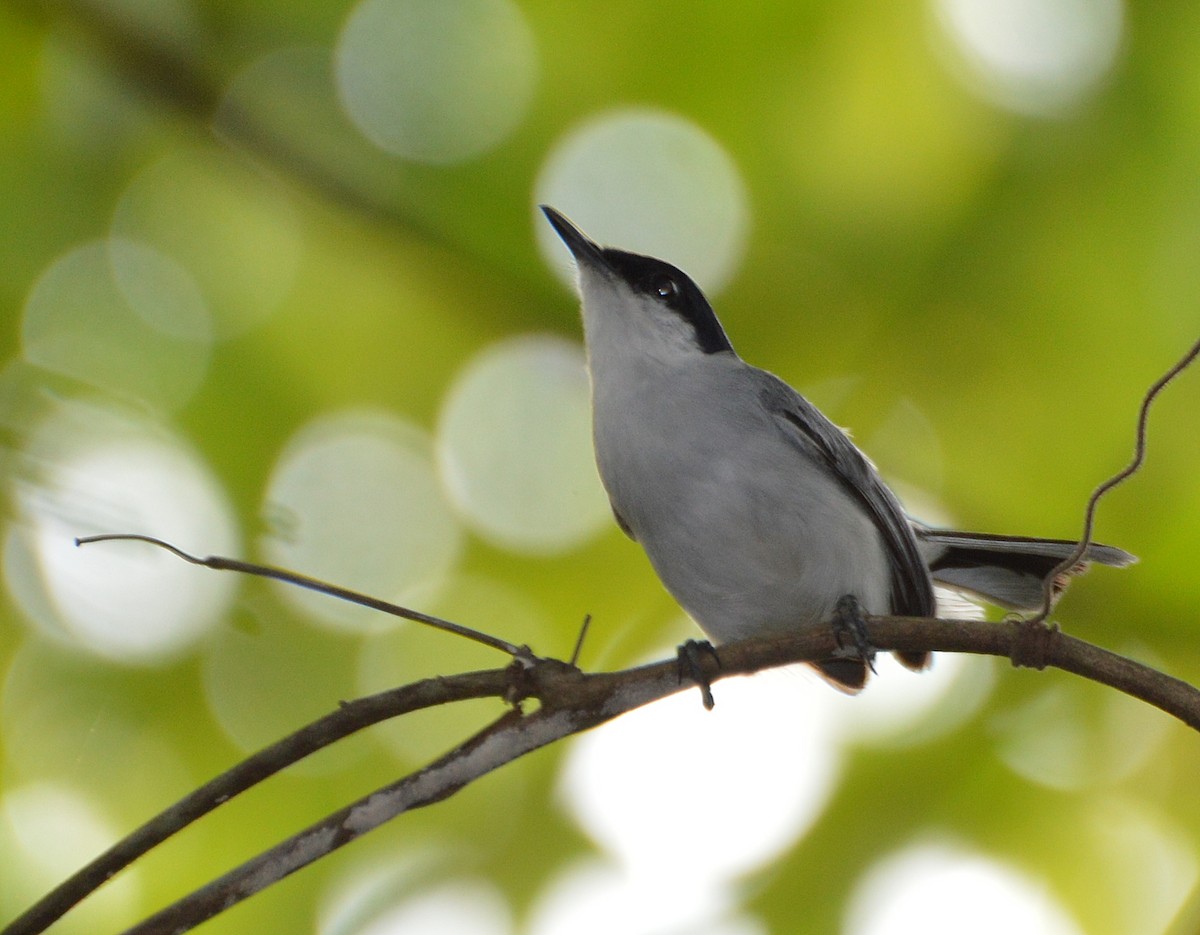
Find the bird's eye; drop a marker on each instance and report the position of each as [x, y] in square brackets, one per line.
[665, 288]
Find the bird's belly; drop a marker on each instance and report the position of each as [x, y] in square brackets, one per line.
[754, 542]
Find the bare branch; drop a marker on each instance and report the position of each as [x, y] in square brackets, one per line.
[350, 717]
[571, 702]
[221, 563]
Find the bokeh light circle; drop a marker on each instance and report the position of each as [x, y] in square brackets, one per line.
[631, 785]
[595, 897]
[436, 81]
[123, 317]
[1066, 736]
[900, 707]
[1033, 56]
[48, 831]
[515, 449]
[413, 892]
[944, 890]
[1152, 856]
[650, 182]
[354, 500]
[460, 906]
[89, 470]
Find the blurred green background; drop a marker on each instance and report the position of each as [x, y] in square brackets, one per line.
[273, 285]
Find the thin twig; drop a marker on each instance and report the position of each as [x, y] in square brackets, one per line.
[583, 632]
[322, 587]
[1135, 465]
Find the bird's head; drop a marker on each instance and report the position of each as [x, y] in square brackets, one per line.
[634, 304]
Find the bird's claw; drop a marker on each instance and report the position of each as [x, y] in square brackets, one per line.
[689, 667]
[850, 631]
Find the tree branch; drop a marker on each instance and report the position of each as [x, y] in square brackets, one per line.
[570, 702]
[220, 563]
[351, 717]
[191, 83]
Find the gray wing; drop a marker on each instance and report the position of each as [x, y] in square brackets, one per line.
[804, 425]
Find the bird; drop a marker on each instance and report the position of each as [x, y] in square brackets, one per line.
[758, 514]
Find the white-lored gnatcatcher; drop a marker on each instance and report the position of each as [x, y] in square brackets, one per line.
[760, 515]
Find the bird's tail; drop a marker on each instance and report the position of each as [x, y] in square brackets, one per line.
[1007, 571]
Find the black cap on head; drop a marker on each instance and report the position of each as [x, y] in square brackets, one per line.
[658, 279]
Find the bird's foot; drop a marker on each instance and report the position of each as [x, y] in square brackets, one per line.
[689, 657]
[850, 631]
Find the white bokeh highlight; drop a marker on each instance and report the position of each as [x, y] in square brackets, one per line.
[1032, 56]
[354, 500]
[676, 792]
[900, 707]
[651, 182]
[121, 316]
[515, 449]
[47, 832]
[474, 908]
[435, 81]
[684, 802]
[1066, 736]
[89, 470]
[54, 826]
[411, 898]
[596, 897]
[939, 889]
[1154, 859]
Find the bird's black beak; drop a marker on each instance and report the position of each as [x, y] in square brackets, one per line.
[581, 246]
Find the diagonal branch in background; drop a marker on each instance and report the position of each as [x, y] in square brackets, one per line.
[570, 702]
[188, 81]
